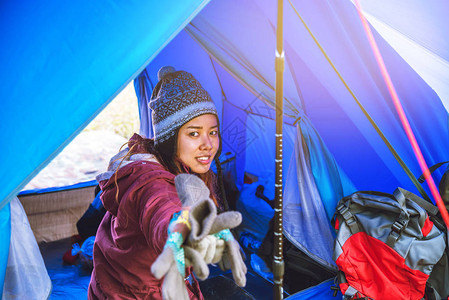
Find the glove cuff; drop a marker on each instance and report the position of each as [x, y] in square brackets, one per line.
[175, 241]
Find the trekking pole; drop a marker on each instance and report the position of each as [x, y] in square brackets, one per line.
[278, 262]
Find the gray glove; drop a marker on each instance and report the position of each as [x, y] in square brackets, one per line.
[192, 191]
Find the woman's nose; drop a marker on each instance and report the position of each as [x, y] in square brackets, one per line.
[206, 143]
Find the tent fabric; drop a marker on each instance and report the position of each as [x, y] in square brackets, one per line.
[62, 62]
[256, 213]
[417, 35]
[331, 181]
[260, 133]
[304, 210]
[5, 239]
[314, 88]
[26, 275]
[143, 87]
[233, 48]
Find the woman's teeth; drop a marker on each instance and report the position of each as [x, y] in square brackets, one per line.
[203, 159]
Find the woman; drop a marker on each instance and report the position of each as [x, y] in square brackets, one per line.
[139, 192]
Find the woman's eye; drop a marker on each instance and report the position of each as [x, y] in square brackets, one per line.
[194, 133]
[214, 132]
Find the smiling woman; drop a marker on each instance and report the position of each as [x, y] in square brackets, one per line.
[141, 199]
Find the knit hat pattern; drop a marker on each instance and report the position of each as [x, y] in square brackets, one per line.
[177, 98]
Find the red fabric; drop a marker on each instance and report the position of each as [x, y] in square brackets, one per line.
[133, 233]
[68, 258]
[376, 270]
[337, 224]
[343, 287]
[427, 227]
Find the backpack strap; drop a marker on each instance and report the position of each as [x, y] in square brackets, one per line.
[431, 170]
[401, 222]
[350, 292]
[429, 207]
[349, 218]
[396, 229]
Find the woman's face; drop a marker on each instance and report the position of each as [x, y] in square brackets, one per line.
[198, 143]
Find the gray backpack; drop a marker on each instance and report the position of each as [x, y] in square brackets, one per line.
[390, 247]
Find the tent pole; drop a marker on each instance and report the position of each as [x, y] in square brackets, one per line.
[278, 262]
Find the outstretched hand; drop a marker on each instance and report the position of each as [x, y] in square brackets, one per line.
[216, 231]
[209, 240]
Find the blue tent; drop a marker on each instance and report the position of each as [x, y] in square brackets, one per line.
[62, 62]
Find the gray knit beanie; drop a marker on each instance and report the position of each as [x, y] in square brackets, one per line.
[177, 98]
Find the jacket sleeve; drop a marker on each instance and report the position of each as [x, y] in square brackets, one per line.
[156, 212]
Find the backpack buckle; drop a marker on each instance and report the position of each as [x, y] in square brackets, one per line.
[396, 230]
[398, 226]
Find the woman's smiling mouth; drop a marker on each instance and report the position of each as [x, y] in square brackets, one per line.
[205, 160]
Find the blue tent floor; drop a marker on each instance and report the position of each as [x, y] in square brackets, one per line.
[68, 281]
[72, 281]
